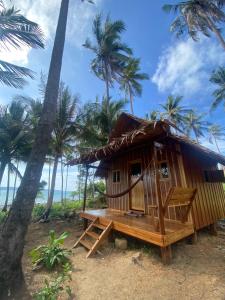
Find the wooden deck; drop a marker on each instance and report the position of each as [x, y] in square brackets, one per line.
[141, 227]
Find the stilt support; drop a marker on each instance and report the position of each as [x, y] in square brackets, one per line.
[192, 239]
[213, 229]
[166, 254]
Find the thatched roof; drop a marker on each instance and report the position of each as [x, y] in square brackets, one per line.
[130, 131]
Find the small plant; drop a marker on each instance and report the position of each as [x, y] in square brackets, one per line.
[52, 254]
[52, 289]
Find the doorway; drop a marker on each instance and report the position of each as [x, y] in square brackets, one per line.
[137, 193]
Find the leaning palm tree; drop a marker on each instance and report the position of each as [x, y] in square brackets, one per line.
[216, 132]
[174, 111]
[130, 80]
[17, 31]
[12, 235]
[218, 78]
[198, 16]
[195, 123]
[110, 52]
[63, 136]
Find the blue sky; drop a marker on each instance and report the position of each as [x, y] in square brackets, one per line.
[179, 67]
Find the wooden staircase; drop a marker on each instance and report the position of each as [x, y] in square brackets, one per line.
[93, 236]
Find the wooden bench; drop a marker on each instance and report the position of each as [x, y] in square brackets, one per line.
[177, 197]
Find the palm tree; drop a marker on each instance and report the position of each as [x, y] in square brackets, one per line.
[130, 80]
[196, 16]
[216, 132]
[110, 52]
[63, 136]
[153, 116]
[15, 137]
[218, 78]
[95, 121]
[14, 230]
[174, 111]
[17, 31]
[195, 123]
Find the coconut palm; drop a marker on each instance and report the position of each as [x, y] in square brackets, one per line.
[216, 132]
[195, 123]
[174, 111]
[17, 31]
[130, 80]
[63, 135]
[15, 137]
[110, 52]
[198, 16]
[12, 236]
[153, 116]
[218, 78]
[95, 121]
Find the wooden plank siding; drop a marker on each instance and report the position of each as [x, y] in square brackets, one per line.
[209, 204]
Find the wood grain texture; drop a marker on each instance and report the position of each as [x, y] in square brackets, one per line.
[186, 168]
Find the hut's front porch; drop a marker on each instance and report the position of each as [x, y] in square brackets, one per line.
[141, 227]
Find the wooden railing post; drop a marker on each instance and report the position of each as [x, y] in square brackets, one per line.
[159, 198]
[85, 188]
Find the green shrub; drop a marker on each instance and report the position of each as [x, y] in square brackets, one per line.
[52, 289]
[38, 211]
[3, 215]
[52, 254]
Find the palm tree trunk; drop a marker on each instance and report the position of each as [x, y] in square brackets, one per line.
[217, 146]
[7, 191]
[52, 190]
[62, 180]
[196, 136]
[131, 102]
[12, 236]
[15, 181]
[2, 170]
[49, 177]
[67, 171]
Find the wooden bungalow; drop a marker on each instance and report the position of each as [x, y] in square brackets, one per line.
[161, 186]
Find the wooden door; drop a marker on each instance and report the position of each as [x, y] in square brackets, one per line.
[137, 193]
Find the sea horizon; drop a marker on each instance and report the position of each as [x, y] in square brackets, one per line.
[42, 198]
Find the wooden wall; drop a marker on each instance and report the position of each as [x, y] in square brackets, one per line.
[210, 201]
[209, 204]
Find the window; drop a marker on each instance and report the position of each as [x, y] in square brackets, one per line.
[116, 176]
[214, 176]
[164, 170]
[136, 169]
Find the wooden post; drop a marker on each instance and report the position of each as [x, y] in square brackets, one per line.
[85, 188]
[166, 254]
[212, 229]
[160, 206]
[192, 239]
[85, 221]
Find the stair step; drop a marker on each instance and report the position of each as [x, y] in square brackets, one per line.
[93, 234]
[100, 226]
[87, 244]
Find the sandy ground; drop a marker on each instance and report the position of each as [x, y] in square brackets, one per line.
[197, 271]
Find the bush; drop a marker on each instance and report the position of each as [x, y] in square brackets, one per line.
[51, 290]
[3, 215]
[52, 254]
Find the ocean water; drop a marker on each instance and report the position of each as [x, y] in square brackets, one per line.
[40, 199]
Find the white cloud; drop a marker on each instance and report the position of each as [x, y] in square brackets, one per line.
[184, 67]
[45, 13]
[15, 56]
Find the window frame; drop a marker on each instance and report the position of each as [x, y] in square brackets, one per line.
[116, 172]
[159, 170]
